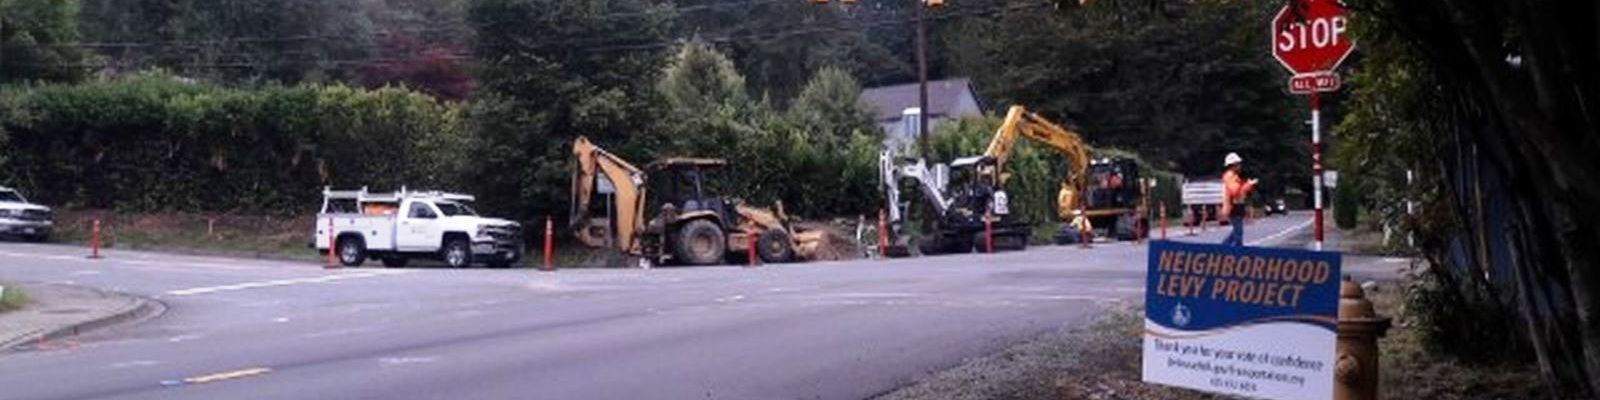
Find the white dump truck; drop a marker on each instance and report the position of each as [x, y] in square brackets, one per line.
[395, 227]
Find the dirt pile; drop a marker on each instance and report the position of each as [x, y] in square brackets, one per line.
[825, 242]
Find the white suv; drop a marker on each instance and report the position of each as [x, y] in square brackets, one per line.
[20, 218]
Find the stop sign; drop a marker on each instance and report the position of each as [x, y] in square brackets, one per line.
[1308, 36]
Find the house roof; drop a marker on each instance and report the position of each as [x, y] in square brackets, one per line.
[890, 101]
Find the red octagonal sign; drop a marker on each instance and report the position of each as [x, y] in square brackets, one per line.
[1309, 36]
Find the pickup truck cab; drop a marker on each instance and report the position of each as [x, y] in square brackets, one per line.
[22, 219]
[399, 226]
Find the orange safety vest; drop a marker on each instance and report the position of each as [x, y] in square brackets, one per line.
[1234, 191]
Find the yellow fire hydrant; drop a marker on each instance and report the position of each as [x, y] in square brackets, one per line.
[1356, 369]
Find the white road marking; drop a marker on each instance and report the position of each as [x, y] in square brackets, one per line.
[1280, 234]
[405, 360]
[280, 282]
[135, 363]
[182, 338]
[871, 295]
[85, 272]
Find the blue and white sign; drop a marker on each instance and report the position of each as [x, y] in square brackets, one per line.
[1254, 322]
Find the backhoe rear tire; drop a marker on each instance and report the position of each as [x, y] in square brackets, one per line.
[700, 242]
[774, 246]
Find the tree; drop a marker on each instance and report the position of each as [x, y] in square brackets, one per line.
[1511, 84]
[236, 40]
[421, 44]
[36, 38]
[779, 44]
[829, 107]
[699, 79]
[435, 68]
[1184, 83]
[544, 80]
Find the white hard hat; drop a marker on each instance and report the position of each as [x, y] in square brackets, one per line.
[1231, 159]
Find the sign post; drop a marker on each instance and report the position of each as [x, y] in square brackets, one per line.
[1308, 38]
[1246, 321]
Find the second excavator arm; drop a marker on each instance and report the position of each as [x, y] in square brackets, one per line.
[1020, 122]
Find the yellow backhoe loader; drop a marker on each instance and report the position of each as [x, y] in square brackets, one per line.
[690, 226]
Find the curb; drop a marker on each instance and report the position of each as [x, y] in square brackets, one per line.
[141, 308]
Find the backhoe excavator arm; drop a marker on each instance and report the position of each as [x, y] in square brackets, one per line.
[1020, 122]
[594, 163]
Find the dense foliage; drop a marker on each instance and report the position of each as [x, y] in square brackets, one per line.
[1183, 83]
[542, 85]
[153, 142]
[1479, 111]
[32, 33]
[819, 157]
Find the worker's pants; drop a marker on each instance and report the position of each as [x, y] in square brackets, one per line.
[1235, 221]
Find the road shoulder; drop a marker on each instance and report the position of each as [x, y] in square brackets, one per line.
[57, 311]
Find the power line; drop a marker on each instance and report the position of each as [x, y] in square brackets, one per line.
[604, 48]
[309, 37]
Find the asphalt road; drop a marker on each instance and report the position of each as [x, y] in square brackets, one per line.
[841, 330]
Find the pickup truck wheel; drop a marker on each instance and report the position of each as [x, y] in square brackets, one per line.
[395, 261]
[456, 253]
[700, 242]
[352, 251]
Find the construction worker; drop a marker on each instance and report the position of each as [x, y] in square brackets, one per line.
[1234, 192]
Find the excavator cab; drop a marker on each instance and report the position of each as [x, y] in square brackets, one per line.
[979, 190]
[1114, 199]
[978, 212]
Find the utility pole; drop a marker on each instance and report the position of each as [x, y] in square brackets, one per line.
[922, 70]
[922, 83]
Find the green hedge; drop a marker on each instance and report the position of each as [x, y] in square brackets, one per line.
[154, 142]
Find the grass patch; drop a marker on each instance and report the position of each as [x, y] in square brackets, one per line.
[271, 237]
[13, 298]
[1102, 361]
[1412, 372]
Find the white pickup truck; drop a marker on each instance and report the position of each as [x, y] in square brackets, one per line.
[397, 226]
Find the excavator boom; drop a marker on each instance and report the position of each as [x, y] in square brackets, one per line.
[1020, 122]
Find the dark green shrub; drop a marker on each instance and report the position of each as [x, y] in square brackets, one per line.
[152, 142]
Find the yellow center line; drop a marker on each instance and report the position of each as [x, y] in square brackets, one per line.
[221, 376]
